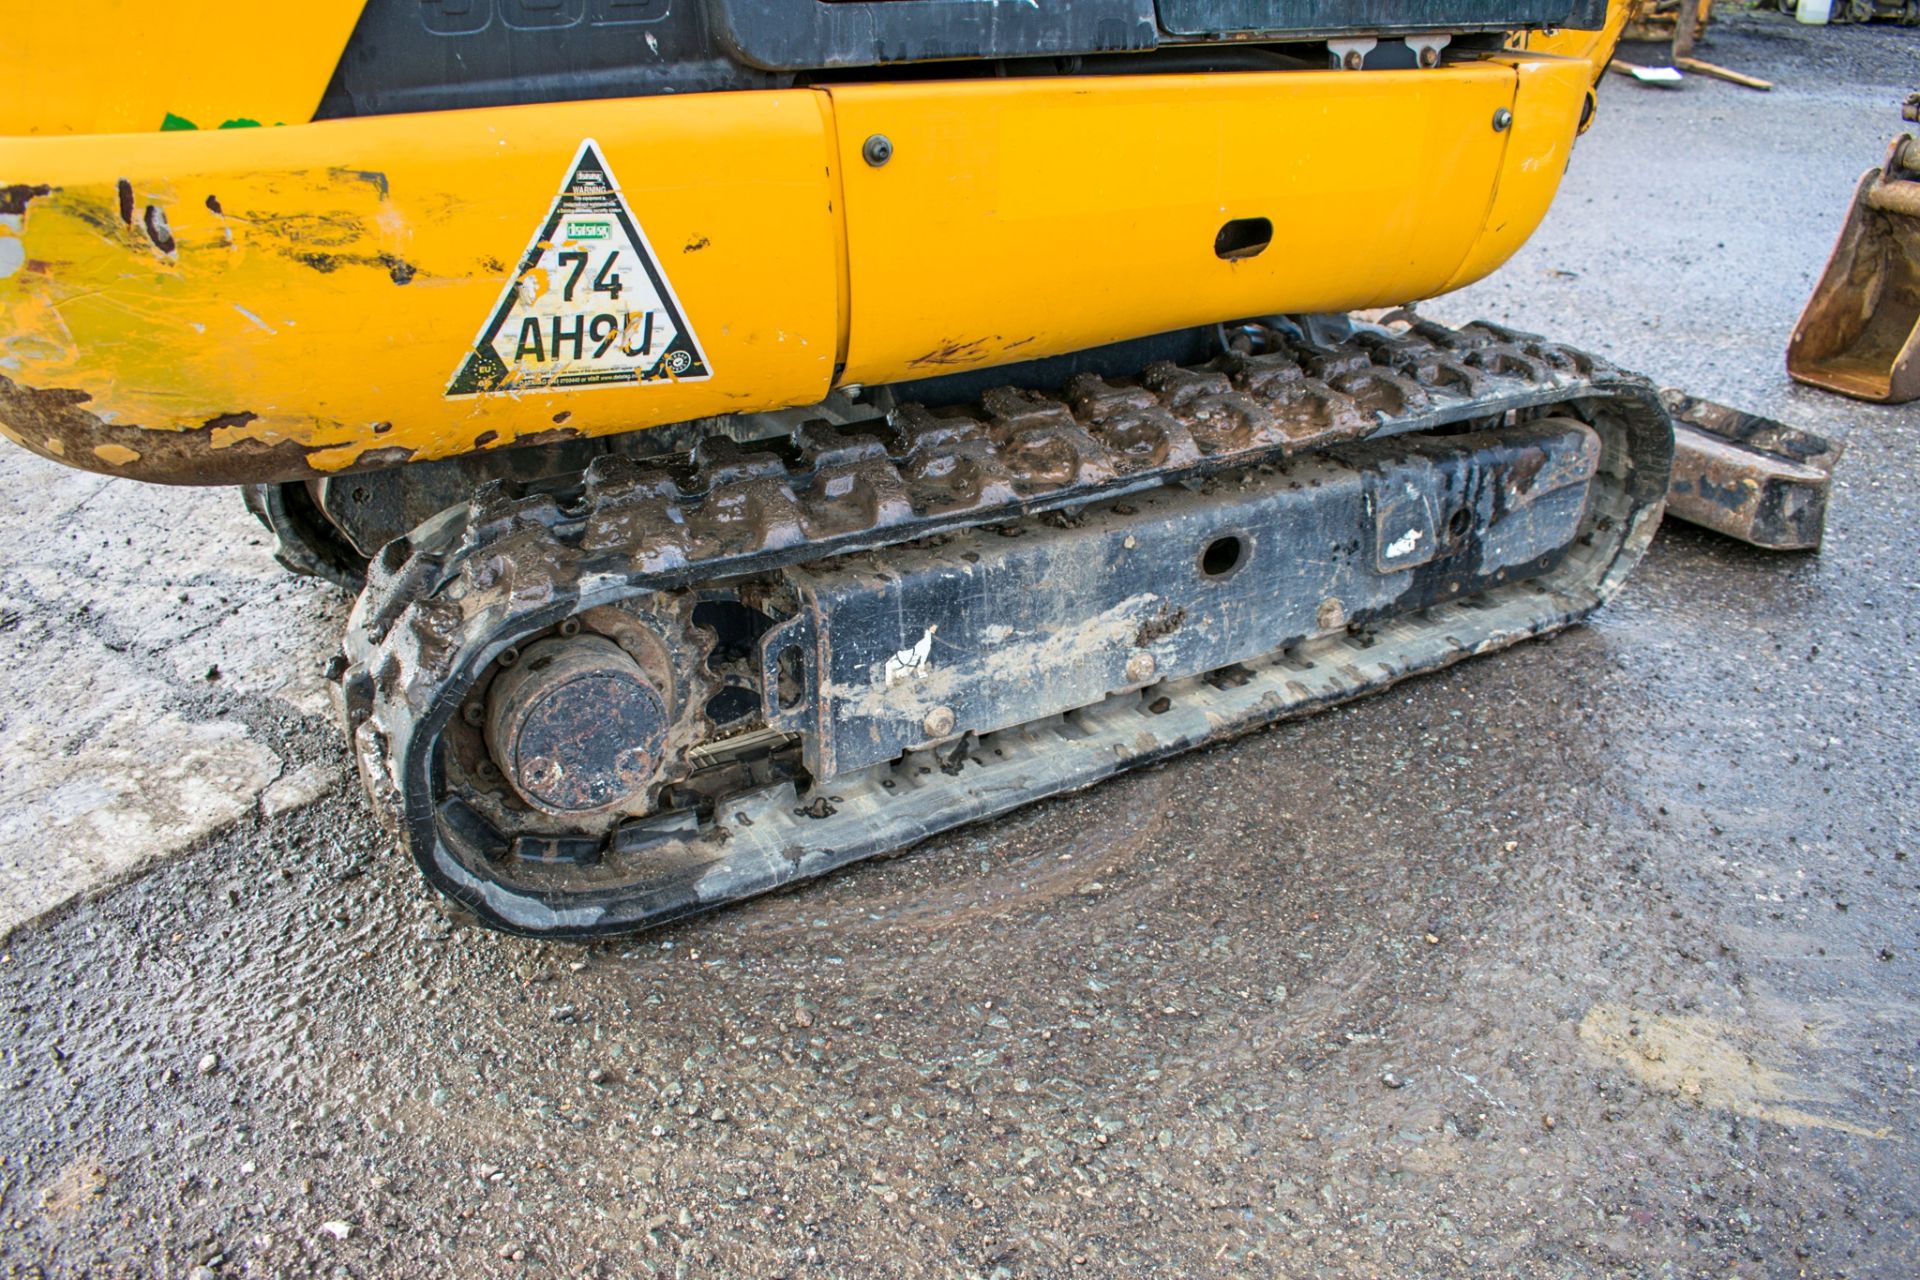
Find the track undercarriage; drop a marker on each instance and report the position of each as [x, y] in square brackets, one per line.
[594, 705]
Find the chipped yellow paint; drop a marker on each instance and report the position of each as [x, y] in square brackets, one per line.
[123, 66]
[1593, 47]
[1709, 1063]
[316, 287]
[117, 455]
[296, 299]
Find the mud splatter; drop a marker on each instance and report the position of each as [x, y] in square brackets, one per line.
[1710, 1063]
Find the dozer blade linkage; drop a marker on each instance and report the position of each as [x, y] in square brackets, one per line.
[1748, 477]
[664, 691]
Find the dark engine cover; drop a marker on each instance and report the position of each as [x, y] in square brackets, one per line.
[429, 55]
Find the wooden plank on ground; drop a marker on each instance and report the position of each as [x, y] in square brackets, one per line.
[1723, 73]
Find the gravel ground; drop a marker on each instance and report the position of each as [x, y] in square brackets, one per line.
[1596, 958]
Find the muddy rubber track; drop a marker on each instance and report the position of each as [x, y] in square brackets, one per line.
[441, 607]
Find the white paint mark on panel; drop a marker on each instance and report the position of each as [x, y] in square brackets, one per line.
[911, 662]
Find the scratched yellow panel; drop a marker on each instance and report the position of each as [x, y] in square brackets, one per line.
[123, 66]
[1546, 114]
[1032, 217]
[294, 298]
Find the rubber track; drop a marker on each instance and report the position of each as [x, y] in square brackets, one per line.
[440, 606]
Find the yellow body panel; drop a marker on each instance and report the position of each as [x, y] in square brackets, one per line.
[1551, 91]
[264, 304]
[1022, 218]
[204, 63]
[325, 281]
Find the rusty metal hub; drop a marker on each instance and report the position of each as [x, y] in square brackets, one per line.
[576, 726]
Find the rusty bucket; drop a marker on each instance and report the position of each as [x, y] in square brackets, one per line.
[1860, 332]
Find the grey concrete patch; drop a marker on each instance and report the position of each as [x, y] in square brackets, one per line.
[100, 776]
[144, 634]
[300, 788]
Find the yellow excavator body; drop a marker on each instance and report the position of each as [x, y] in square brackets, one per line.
[199, 285]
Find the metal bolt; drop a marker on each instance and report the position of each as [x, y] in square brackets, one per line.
[878, 150]
[474, 713]
[508, 656]
[570, 628]
[1353, 60]
[1140, 668]
[939, 722]
[1501, 119]
[1429, 56]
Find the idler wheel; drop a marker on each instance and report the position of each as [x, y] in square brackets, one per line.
[576, 726]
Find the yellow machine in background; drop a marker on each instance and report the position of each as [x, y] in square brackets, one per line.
[767, 435]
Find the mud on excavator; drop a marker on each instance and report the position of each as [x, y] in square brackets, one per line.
[763, 434]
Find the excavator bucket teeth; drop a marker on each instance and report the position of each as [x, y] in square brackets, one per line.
[1860, 332]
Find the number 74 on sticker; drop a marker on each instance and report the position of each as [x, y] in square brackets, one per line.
[580, 334]
[589, 306]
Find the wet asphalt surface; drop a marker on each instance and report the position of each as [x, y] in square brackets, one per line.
[1594, 958]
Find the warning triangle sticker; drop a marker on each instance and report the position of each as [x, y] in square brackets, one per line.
[588, 306]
